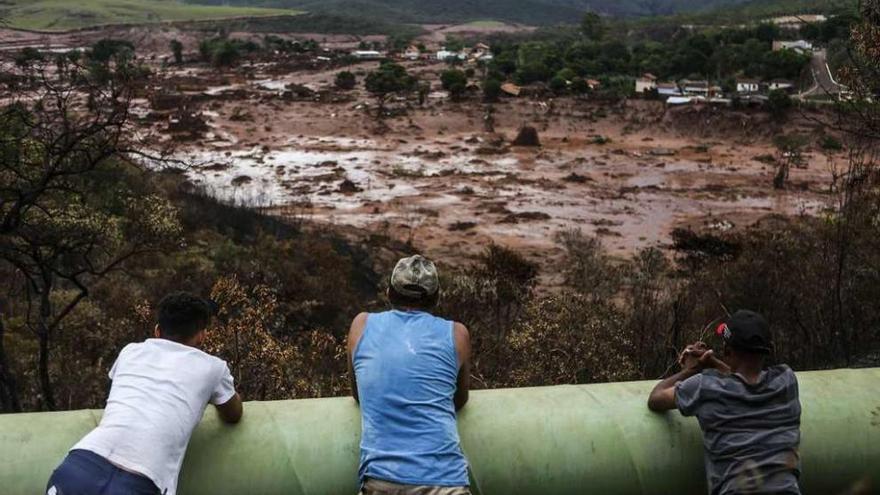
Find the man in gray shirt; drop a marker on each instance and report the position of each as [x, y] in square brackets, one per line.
[750, 415]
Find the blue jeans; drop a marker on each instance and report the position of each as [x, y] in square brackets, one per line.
[85, 473]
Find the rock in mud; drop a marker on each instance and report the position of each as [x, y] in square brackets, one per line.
[242, 180]
[526, 216]
[528, 136]
[349, 187]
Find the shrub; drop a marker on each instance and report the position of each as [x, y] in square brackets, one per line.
[779, 103]
[830, 143]
[491, 90]
[454, 81]
[345, 80]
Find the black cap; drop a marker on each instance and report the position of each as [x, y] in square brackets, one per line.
[747, 331]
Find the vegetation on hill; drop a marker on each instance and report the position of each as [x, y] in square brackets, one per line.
[334, 23]
[536, 12]
[563, 58]
[65, 14]
[759, 9]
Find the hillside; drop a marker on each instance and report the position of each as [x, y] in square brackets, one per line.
[537, 11]
[522, 11]
[68, 14]
[754, 9]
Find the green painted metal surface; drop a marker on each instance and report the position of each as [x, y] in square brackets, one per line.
[550, 441]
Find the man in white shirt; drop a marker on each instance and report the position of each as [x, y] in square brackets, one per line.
[159, 393]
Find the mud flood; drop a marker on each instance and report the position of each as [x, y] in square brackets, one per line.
[436, 175]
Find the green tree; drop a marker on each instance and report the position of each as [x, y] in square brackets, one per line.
[455, 82]
[592, 26]
[791, 151]
[225, 54]
[558, 84]
[28, 56]
[491, 90]
[454, 44]
[345, 80]
[70, 211]
[107, 49]
[779, 103]
[389, 78]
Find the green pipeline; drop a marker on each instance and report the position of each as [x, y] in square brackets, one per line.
[589, 439]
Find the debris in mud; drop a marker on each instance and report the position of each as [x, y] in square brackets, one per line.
[703, 245]
[429, 155]
[186, 124]
[604, 222]
[606, 232]
[661, 152]
[461, 226]
[494, 146]
[526, 216]
[576, 178]
[241, 115]
[242, 180]
[216, 167]
[528, 136]
[168, 101]
[349, 187]
[298, 92]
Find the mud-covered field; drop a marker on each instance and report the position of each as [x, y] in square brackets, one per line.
[277, 135]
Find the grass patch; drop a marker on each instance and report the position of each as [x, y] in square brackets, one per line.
[485, 24]
[60, 15]
[321, 23]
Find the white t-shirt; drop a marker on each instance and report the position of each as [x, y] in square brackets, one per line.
[160, 391]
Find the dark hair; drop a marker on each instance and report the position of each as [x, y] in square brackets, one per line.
[182, 315]
[425, 302]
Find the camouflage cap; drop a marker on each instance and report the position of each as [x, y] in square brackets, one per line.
[415, 277]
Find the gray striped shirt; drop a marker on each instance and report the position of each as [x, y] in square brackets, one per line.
[751, 433]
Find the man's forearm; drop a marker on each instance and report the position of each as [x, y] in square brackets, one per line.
[662, 398]
[681, 376]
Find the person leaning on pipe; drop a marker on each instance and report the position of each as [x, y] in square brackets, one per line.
[410, 374]
[750, 414]
[159, 392]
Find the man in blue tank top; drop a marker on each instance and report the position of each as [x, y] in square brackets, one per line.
[410, 374]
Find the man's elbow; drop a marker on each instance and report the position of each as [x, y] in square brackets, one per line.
[234, 418]
[653, 404]
[231, 412]
[659, 403]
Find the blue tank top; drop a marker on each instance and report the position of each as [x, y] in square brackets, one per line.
[407, 369]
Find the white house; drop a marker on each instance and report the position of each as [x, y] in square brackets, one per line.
[747, 86]
[668, 89]
[480, 50]
[366, 54]
[646, 83]
[482, 57]
[412, 53]
[800, 46]
[797, 21]
[780, 84]
[695, 88]
[444, 55]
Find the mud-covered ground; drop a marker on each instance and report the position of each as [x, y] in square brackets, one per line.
[435, 175]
